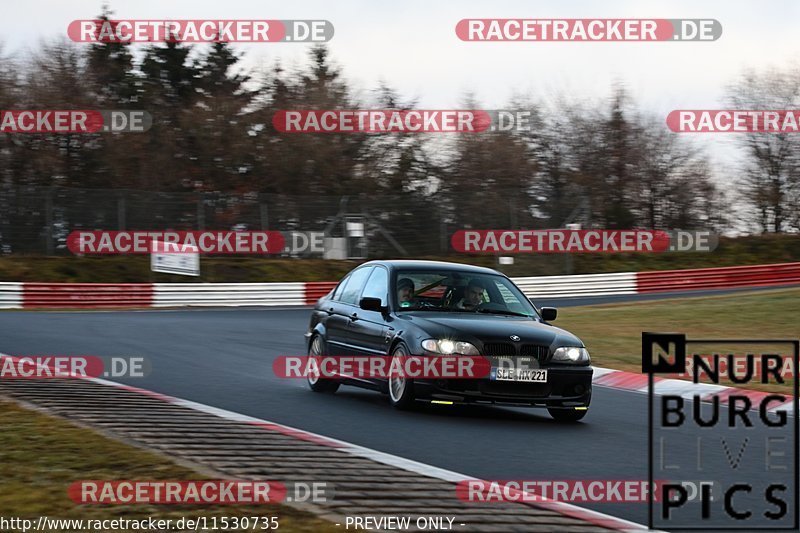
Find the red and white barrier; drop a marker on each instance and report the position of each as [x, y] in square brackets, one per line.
[718, 278]
[144, 295]
[63, 295]
[317, 289]
[578, 285]
[10, 295]
[228, 294]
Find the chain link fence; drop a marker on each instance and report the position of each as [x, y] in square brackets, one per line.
[37, 220]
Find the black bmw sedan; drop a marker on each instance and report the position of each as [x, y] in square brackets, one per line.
[393, 309]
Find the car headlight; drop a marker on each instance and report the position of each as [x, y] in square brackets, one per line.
[448, 347]
[571, 354]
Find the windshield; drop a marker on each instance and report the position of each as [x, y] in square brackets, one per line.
[455, 291]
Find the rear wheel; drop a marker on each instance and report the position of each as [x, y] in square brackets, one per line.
[315, 382]
[567, 415]
[401, 389]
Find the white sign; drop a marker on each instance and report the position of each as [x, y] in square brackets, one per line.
[186, 262]
[355, 228]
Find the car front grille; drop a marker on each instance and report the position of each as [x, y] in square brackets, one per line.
[535, 350]
[501, 349]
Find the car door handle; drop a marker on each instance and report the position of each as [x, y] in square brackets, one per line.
[330, 310]
[354, 316]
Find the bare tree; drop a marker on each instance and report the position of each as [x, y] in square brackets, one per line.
[9, 96]
[488, 179]
[770, 180]
[616, 167]
[54, 78]
[673, 186]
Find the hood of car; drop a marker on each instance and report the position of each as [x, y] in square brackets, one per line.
[484, 327]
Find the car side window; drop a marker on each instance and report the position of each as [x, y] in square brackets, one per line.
[337, 293]
[508, 296]
[354, 285]
[377, 286]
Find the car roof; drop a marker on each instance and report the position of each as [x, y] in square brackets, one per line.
[407, 264]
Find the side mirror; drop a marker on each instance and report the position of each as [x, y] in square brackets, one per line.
[372, 304]
[549, 313]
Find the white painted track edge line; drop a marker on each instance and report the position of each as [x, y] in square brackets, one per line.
[375, 455]
[620, 524]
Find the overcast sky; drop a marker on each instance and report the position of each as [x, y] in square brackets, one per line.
[412, 46]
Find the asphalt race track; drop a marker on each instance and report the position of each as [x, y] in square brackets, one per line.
[223, 358]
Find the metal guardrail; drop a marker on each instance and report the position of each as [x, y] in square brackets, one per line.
[579, 285]
[317, 289]
[10, 295]
[228, 294]
[64, 295]
[718, 278]
[82, 295]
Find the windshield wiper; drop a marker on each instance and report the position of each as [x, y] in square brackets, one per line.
[503, 312]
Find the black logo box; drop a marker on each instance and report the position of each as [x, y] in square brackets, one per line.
[665, 341]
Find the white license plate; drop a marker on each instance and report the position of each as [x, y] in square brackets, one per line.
[529, 375]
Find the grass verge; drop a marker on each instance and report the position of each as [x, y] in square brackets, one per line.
[40, 456]
[613, 332]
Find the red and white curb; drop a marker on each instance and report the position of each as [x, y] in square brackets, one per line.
[566, 509]
[632, 381]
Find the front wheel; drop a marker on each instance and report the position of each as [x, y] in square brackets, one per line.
[567, 415]
[401, 389]
[315, 382]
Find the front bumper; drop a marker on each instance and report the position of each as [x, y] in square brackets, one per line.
[566, 387]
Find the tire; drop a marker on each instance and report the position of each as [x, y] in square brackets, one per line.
[315, 383]
[567, 415]
[401, 390]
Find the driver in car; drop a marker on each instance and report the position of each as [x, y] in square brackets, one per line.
[473, 296]
[405, 291]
